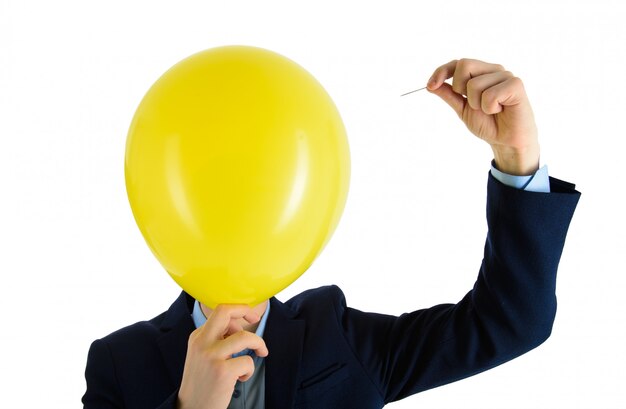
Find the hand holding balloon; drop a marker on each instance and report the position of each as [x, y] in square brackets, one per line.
[211, 372]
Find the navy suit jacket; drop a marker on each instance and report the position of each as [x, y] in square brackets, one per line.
[324, 354]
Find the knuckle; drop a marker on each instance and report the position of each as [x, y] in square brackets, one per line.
[222, 312]
[487, 99]
[471, 84]
[249, 362]
[488, 95]
[193, 338]
[489, 105]
[239, 335]
[462, 67]
[220, 309]
[464, 62]
[457, 87]
[194, 334]
[468, 65]
[517, 82]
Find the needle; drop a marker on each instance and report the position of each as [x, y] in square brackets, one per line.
[410, 92]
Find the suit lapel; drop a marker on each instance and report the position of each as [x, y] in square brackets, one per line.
[176, 327]
[283, 336]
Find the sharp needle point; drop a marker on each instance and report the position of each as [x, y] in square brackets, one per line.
[410, 92]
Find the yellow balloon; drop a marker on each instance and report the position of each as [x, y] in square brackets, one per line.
[237, 170]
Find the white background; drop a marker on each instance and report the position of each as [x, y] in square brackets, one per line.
[75, 267]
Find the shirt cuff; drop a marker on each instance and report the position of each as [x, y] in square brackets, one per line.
[539, 182]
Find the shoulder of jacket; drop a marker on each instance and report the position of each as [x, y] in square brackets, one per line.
[318, 301]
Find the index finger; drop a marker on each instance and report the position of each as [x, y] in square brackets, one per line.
[218, 322]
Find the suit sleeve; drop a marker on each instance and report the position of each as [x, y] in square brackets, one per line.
[509, 311]
[103, 390]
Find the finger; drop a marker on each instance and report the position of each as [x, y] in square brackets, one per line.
[461, 71]
[466, 69]
[242, 367]
[240, 341]
[218, 322]
[477, 85]
[441, 74]
[508, 93]
[456, 101]
[233, 327]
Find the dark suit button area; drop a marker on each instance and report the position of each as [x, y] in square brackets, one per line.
[236, 393]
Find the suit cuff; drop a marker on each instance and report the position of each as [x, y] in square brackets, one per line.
[539, 182]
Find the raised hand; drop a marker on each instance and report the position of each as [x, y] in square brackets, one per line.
[493, 104]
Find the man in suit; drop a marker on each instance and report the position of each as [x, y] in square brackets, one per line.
[315, 352]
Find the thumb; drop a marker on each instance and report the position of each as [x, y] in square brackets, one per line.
[445, 92]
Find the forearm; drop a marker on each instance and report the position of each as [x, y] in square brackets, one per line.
[512, 305]
[515, 290]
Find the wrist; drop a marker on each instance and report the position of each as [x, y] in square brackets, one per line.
[516, 161]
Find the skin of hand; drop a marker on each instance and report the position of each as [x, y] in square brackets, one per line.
[210, 371]
[493, 104]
